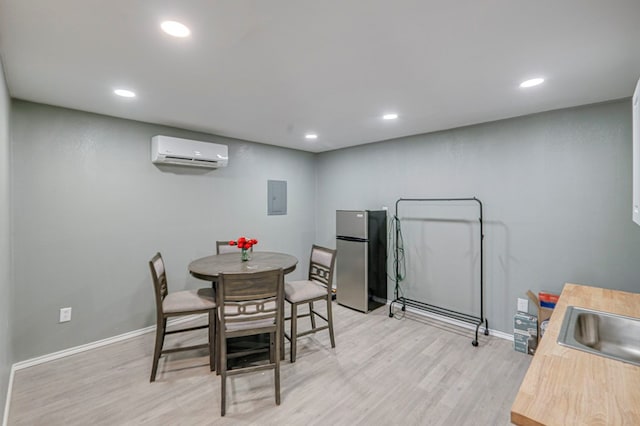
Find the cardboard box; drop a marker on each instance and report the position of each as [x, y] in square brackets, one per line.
[521, 342]
[544, 313]
[525, 333]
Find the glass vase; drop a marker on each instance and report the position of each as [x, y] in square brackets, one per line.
[244, 255]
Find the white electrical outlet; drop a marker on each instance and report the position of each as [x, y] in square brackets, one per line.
[65, 314]
[523, 305]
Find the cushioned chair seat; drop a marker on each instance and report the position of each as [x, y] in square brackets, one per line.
[297, 291]
[316, 288]
[189, 300]
[181, 303]
[250, 304]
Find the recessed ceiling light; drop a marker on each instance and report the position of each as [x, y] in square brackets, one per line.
[532, 82]
[311, 136]
[125, 93]
[390, 116]
[175, 29]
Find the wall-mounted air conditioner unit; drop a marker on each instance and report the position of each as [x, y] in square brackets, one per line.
[185, 152]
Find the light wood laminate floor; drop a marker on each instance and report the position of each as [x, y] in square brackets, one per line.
[407, 370]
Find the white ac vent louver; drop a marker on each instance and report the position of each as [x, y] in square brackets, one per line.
[186, 152]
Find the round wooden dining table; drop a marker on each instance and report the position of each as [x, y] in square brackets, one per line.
[208, 268]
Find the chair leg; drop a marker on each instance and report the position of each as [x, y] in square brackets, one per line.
[312, 316]
[330, 318]
[282, 333]
[294, 330]
[276, 336]
[158, 348]
[272, 349]
[212, 340]
[281, 340]
[223, 372]
[218, 347]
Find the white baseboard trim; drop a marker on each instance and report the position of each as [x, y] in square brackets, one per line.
[82, 348]
[5, 418]
[462, 324]
[93, 345]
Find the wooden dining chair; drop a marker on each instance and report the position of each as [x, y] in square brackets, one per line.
[316, 288]
[224, 247]
[250, 304]
[180, 303]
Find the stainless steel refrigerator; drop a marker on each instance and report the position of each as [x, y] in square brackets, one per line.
[361, 263]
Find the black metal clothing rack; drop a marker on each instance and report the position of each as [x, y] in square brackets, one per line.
[460, 316]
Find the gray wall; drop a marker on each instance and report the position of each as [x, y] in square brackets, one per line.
[5, 248]
[556, 189]
[90, 209]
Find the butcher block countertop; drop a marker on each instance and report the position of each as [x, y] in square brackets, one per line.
[565, 386]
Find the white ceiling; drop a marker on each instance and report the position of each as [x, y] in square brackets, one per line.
[270, 71]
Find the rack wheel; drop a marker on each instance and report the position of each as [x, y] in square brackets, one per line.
[404, 308]
[486, 332]
[390, 314]
[474, 343]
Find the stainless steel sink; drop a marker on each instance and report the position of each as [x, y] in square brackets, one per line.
[601, 333]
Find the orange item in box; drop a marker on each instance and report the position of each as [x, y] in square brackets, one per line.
[548, 300]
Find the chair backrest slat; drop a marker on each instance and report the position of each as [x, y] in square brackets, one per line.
[159, 275]
[321, 265]
[250, 296]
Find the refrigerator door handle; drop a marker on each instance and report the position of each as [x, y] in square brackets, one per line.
[355, 239]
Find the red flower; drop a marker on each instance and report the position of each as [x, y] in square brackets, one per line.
[244, 243]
